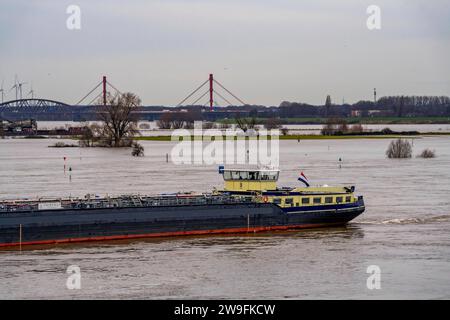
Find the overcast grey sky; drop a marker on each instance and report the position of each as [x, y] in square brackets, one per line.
[265, 51]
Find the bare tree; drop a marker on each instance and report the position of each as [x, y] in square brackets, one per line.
[178, 120]
[164, 121]
[208, 125]
[399, 149]
[223, 125]
[87, 137]
[356, 128]
[91, 135]
[192, 115]
[119, 120]
[245, 124]
[334, 126]
[272, 123]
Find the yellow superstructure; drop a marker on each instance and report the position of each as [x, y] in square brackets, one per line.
[321, 196]
[250, 180]
[262, 183]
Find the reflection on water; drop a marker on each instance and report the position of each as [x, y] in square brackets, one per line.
[404, 229]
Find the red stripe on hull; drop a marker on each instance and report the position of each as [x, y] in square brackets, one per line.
[168, 234]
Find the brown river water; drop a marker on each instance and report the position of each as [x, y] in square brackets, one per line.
[405, 230]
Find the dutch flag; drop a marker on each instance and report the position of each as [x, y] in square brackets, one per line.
[303, 179]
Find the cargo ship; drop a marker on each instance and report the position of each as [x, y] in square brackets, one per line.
[250, 201]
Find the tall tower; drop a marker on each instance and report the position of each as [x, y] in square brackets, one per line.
[104, 90]
[327, 106]
[211, 90]
[375, 95]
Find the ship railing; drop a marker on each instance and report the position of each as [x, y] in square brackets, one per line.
[131, 201]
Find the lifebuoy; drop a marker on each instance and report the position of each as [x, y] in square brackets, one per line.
[266, 199]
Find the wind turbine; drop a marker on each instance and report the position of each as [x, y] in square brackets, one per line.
[20, 84]
[15, 87]
[31, 91]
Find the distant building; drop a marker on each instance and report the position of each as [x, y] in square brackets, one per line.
[374, 112]
[356, 113]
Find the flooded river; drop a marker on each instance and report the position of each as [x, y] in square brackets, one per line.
[405, 230]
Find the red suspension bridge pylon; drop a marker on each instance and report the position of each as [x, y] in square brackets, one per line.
[104, 92]
[211, 92]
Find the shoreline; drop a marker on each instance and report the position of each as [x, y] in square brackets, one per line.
[377, 135]
[286, 137]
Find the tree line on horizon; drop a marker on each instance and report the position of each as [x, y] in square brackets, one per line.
[388, 106]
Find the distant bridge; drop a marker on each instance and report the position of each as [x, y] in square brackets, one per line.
[33, 103]
[51, 110]
[83, 110]
[39, 109]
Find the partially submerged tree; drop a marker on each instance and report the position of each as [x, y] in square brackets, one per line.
[119, 121]
[356, 128]
[245, 124]
[208, 125]
[178, 119]
[427, 153]
[272, 123]
[138, 150]
[334, 126]
[387, 131]
[223, 125]
[399, 149]
[164, 121]
[91, 134]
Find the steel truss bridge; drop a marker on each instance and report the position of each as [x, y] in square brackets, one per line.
[31, 104]
[38, 109]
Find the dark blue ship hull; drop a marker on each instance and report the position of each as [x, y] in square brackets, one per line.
[79, 225]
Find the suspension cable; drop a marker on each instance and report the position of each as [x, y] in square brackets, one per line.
[192, 93]
[229, 92]
[200, 97]
[223, 98]
[97, 97]
[88, 93]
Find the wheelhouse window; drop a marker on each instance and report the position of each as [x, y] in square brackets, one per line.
[348, 199]
[269, 176]
[273, 176]
[328, 199]
[253, 175]
[317, 200]
[277, 201]
[243, 175]
[306, 201]
[235, 175]
[339, 199]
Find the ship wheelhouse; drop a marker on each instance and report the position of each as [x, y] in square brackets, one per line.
[239, 180]
[262, 184]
